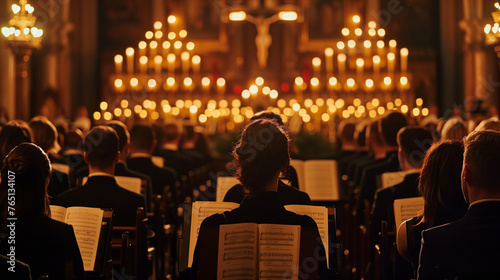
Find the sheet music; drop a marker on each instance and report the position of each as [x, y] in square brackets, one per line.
[320, 215]
[129, 183]
[321, 179]
[58, 213]
[407, 208]
[86, 223]
[279, 251]
[299, 168]
[201, 210]
[390, 179]
[237, 251]
[223, 185]
[64, 168]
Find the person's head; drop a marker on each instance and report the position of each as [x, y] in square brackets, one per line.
[480, 174]
[12, 134]
[73, 139]
[488, 125]
[44, 134]
[123, 135]
[268, 115]
[101, 147]
[413, 143]
[345, 134]
[171, 133]
[28, 168]
[439, 183]
[453, 129]
[372, 136]
[389, 127]
[142, 138]
[262, 153]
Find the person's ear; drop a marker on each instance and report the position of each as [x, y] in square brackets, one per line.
[85, 158]
[466, 173]
[117, 158]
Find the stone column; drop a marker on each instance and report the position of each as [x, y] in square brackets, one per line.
[475, 70]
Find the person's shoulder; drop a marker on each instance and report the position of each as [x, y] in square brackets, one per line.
[214, 220]
[68, 196]
[54, 228]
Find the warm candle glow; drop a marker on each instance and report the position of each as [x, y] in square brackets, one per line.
[340, 45]
[149, 35]
[190, 46]
[356, 19]
[157, 25]
[345, 31]
[118, 64]
[288, 16]
[237, 16]
[171, 19]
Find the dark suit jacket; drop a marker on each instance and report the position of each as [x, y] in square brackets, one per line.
[265, 208]
[368, 183]
[287, 195]
[468, 248]
[383, 210]
[176, 160]
[121, 169]
[59, 183]
[160, 177]
[47, 246]
[104, 192]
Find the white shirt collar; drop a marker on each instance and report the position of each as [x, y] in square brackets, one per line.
[101, 174]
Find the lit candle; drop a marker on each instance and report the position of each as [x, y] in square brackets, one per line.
[171, 63]
[316, 62]
[381, 50]
[142, 48]
[185, 62]
[351, 44]
[392, 46]
[166, 50]
[221, 86]
[367, 44]
[205, 83]
[118, 64]
[153, 45]
[329, 61]
[360, 63]
[376, 67]
[130, 60]
[196, 60]
[341, 58]
[391, 59]
[404, 60]
[158, 63]
[143, 64]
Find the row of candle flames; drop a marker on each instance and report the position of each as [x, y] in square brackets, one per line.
[355, 55]
[228, 114]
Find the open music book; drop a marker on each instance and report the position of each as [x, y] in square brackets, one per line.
[320, 215]
[258, 251]
[200, 211]
[318, 178]
[86, 222]
[407, 208]
[224, 183]
[390, 179]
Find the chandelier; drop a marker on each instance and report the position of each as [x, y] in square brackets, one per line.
[22, 30]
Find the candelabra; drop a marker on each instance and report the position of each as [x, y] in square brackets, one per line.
[163, 67]
[23, 36]
[362, 64]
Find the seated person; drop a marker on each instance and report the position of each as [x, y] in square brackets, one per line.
[73, 153]
[287, 194]
[49, 247]
[259, 171]
[142, 144]
[44, 135]
[101, 190]
[469, 248]
[12, 134]
[441, 189]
